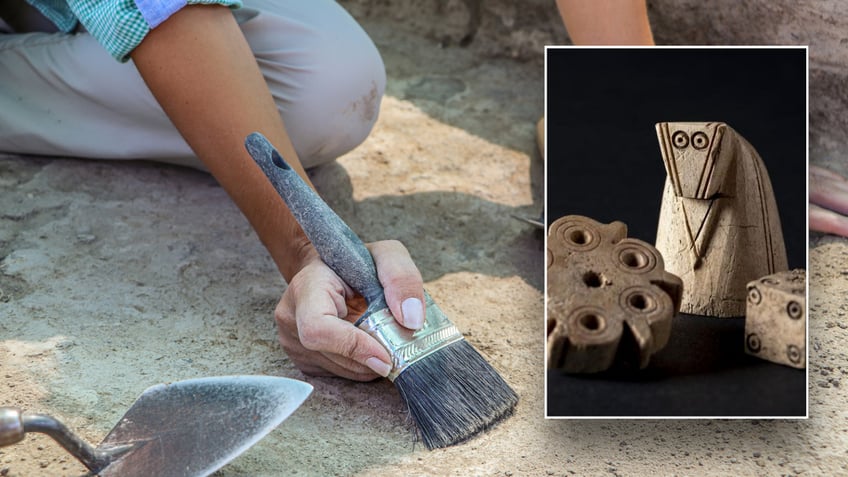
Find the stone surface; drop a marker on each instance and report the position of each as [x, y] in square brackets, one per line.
[776, 318]
[600, 282]
[719, 227]
[491, 28]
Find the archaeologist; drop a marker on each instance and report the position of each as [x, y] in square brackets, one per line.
[203, 77]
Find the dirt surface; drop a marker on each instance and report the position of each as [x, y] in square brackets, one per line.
[118, 276]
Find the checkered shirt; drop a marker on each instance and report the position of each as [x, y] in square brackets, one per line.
[119, 25]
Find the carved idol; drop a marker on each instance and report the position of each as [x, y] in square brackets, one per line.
[719, 227]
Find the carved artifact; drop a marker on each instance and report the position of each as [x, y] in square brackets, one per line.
[609, 297]
[776, 321]
[719, 227]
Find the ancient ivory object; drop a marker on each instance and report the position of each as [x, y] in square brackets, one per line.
[776, 318]
[609, 297]
[719, 227]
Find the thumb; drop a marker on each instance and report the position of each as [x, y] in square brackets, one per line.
[401, 280]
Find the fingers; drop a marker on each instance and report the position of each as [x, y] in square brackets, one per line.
[816, 171]
[334, 338]
[318, 363]
[828, 190]
[317, 338]
[827, 221]
[401, 280]
[316, 314]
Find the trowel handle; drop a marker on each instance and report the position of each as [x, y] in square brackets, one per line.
[11, 426]
[14, 425]
[338, 246]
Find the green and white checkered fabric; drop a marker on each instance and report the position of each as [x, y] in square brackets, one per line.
[58, 12]
[119, 25]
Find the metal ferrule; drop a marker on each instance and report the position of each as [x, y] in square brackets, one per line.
[11, 426]
[407, 346]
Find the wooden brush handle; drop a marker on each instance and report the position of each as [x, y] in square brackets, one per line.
[338, 246]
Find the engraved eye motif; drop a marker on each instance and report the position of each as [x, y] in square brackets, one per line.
[700, 140]
[680, 139]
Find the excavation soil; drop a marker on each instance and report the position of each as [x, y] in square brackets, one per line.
[117, 276]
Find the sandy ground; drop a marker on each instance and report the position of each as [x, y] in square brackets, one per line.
[117, 276]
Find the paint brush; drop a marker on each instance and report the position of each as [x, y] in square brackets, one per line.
[451, 391]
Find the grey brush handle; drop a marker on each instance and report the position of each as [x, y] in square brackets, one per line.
[338, 246]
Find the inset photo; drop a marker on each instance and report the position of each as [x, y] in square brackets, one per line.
[676, 199]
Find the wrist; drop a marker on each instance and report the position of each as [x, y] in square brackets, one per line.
[300, 253]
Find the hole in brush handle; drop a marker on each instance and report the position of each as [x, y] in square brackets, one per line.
[337, 245]
[278, 161]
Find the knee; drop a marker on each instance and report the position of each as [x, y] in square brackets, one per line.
[325, 74]
[337, 115]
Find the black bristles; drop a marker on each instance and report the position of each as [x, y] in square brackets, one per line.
[453, 394]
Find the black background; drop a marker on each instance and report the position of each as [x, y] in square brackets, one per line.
[604, 162]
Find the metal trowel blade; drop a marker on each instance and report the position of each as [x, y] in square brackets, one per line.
[194, 427]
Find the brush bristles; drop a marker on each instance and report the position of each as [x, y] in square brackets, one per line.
[453, 394]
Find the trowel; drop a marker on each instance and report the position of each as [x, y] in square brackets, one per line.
[180, 429]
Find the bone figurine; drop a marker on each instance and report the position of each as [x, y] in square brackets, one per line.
[776, 319]
[719, 227]
[609, 298]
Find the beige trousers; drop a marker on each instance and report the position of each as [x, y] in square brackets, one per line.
[63, 95]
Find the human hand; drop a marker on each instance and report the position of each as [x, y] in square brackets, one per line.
[316, 314]
[828, 201]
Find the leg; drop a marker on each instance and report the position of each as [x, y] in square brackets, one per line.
[64, 95]
[606, 22]
[328, 80]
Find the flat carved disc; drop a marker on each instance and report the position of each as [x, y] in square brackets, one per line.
[609, 297]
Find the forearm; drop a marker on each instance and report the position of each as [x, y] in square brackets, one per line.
[202, 72]
[606, 22]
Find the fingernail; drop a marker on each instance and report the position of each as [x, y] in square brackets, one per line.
[413, 315]
[380, 367]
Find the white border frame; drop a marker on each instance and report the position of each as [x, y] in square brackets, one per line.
[807, 228]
